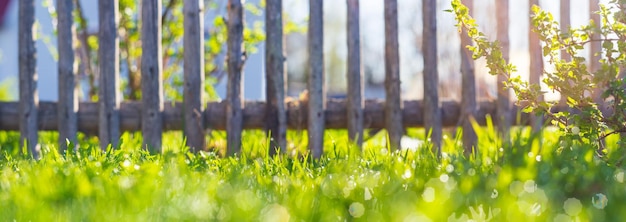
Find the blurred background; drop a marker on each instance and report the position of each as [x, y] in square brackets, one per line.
[296, 12]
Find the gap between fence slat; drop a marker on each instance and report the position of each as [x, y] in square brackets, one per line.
[354, 75]
[151, 76]
[468, 90]
[108, 57]
[193, 68]
[432, 112]
[275, 76]
[503, 100]
[236, 59]
[28, 78]
[316, 78]
[393, 105]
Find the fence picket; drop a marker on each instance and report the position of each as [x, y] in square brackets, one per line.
[275, 76]
[355, 75]
[432, 108]
[108, 55]
[503, 101]
[393, 102]
[68, 101]
[565, 22]
[315, 81]
[595, 48]
[193, 68]
[468, 90]
[236, 59]
[29, 101]
[151, 76]
[536, 65]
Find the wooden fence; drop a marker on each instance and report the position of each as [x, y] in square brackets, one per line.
[152, 115]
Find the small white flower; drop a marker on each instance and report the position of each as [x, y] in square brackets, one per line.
[575, 130]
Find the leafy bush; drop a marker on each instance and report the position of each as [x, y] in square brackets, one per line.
[589, 122]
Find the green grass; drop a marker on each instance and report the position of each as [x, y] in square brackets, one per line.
[522, 181]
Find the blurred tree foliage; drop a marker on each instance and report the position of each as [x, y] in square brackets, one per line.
[173, 31]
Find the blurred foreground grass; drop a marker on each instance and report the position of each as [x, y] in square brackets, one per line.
[511, 182]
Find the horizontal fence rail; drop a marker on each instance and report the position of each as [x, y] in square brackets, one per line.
[254, 115]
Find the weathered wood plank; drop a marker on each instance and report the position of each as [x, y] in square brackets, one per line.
[193, 68]
[468, 91]
[275, 76]
[432, 112]
[68, 100]
[503, 100]
[536, 63]
[29, 99]
[315, 81]
[234, 91]
[595, 48]
[151, 76]
[108, 92]
[565, 22]
[393, 105]
[253, 114]
[354, 75]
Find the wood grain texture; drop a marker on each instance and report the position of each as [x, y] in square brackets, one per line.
[234, 91]
[315, 83]
[151, 76]
[536, 63]
[108, 55]
[275, 77]
[565, 22]
[468, 91]
[595, 48]
[354, 75]
[393, 105]
[27, 60]
[503, 100]
[432, 112]
[193, 68]
[68, 100]
[253, 115]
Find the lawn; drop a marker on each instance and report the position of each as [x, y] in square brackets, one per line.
[512, 182]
